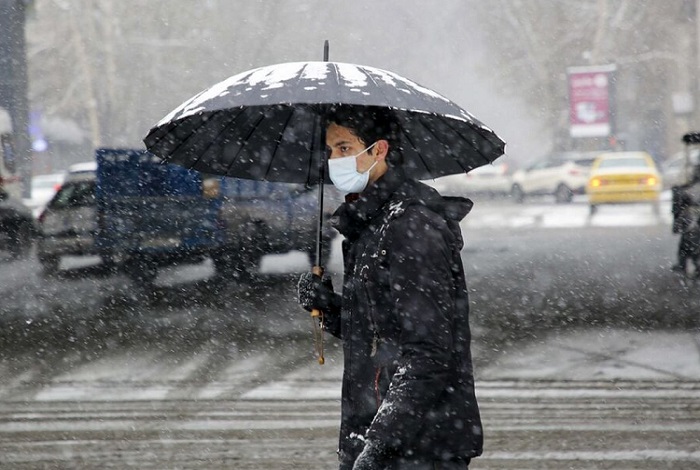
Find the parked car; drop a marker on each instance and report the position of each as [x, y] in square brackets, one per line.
[624, 177]
[675, 172]
[17, 229]
[43, 188]
[489, 180]
[561, 175]
[67, 226]
[82, 170]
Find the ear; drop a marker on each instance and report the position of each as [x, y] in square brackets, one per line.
[382, 149]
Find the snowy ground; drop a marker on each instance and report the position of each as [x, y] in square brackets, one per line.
[586, 350]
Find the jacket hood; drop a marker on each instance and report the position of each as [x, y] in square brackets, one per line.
[352, 217]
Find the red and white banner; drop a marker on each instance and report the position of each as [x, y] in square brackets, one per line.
[590, 101]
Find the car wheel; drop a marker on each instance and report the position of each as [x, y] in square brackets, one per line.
[142, 272]
[517, 193]
[111, 262]
[49, 264]
[21, 240]
[236, 262]
[563, 194]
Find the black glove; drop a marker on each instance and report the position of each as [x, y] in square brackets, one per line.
[317, 293]
[372, 457]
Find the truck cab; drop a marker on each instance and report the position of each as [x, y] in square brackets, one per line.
[263, 217]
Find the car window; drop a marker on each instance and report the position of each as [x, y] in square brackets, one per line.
[584, 161]
[634, 162]
[74, 195]
[45, 183]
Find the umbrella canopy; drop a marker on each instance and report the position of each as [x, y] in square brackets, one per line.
[265, 124]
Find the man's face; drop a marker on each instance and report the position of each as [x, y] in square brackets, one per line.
[341, 142]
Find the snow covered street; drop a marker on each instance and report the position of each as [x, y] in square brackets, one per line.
[586, 356]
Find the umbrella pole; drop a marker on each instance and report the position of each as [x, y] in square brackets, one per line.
[317, 269]
[318, 265]
[322, 177]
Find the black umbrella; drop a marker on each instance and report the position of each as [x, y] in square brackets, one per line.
[266, 124]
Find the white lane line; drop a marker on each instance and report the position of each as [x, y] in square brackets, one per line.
[599, 426]
[113, 425]
[632, 455]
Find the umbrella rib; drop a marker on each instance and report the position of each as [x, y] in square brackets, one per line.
[403, 128]
[476, 129]
[311, 151]
[447, 122]
[183, 142]
[441, 117]
[223, 129]
[444, 121]
[245, 141]
[278, 141]
[410, 141]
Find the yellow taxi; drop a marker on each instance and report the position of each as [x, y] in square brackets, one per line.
[623, 177]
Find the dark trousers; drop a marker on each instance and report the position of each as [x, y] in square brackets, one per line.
[689, 248]
[404, 464]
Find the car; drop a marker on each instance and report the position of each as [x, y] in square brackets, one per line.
[17, 228]
[561, 175]
[624, 177]
[82, 170]
[43, 188]
[676, 171]
[489, 180]
[67, 226]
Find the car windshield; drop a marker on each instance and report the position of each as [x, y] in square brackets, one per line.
[635, 162]
[584, 161]
[74, 195]
[44, 184]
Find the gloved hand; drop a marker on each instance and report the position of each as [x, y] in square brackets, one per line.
[371, 458]
[317, 293]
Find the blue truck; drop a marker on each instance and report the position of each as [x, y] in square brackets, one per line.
[150, 214]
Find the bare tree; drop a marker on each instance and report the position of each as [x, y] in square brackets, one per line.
[535, 42]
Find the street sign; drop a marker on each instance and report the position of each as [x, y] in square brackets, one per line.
[590, 101]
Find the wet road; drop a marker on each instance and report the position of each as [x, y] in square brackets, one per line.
[208, 374]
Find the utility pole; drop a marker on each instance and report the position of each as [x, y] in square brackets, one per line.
[694, 79]
[14, 84]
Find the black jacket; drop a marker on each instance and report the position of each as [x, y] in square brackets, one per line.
[407, 382]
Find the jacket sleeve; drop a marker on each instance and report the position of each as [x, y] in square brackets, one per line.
[331, 318]
[420, 262]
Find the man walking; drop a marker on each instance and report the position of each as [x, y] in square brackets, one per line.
[408, 399]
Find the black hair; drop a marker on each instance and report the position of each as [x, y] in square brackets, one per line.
[369, 124]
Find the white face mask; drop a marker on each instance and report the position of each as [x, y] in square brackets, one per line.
[344, 174]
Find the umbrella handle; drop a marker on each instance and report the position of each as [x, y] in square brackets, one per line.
[318, 326]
